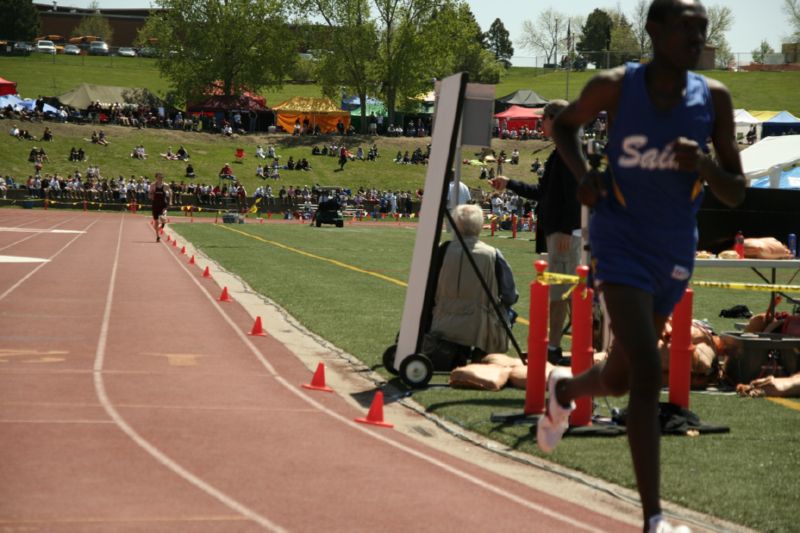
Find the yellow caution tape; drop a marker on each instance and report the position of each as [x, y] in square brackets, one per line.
[760, 287]
[558, 279]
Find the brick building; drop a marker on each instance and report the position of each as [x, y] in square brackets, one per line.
[62, 20]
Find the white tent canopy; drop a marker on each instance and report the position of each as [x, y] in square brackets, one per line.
[743, 120]
[771, 156]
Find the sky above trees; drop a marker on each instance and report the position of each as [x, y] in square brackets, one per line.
[754, 21]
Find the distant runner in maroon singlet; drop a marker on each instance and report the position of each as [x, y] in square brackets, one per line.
[160, 196]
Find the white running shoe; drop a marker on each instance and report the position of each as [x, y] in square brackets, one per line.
[551, 427]
[657, 524]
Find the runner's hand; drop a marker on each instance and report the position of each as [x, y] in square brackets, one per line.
[499, 183]
[590, 188]
[688, 155]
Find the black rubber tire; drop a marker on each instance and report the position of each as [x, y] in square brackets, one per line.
[319, 224]
[416, 371]
[339, 224]
[388, 359]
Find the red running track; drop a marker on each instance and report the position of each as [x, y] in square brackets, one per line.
[132, 400]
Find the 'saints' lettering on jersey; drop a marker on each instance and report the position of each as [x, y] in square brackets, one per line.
[650, 159]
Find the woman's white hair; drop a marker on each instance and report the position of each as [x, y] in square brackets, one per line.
[468, 218]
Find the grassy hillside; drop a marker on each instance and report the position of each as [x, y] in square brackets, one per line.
[50, 76]
[209, 152]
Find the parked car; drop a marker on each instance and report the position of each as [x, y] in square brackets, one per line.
[148, 51]
[98, 48]
[22, 48]
[45, 47]
[126, 52]
[72, 50]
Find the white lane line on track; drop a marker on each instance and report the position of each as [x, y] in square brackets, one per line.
[73, 421]
[38, 230]
[35, 270]
[20, 259]
[157, 454]
[32, 235]
[377, 435]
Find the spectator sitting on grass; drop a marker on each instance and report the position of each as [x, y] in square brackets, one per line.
[189, 171]
[169, 155]
[226, 173]
[138, 152]
[47, 135]
[260, 152]
[182, 154]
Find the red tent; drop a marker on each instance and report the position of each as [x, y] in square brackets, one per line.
[517, 116]
[7, 87]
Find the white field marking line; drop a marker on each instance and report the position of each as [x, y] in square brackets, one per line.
[376, 435]
[36, 234]
[35, 270]
[157, 454]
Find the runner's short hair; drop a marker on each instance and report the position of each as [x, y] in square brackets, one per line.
[661, 10]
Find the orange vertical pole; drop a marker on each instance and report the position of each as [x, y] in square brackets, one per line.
[494, 225]
[582, 344]
[537, 342]
[513, 226]
[680, 351]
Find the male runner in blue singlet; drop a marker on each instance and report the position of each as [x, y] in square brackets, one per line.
[643, 232]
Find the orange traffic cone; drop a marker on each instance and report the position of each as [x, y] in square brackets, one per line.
[206, 273]
[257, 330]
[225, 297]
[375, 415]
[174, 243]
[183, 249]
[191, 261]
[318, 381]
[161, 231]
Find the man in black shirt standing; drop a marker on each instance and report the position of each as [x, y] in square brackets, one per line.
[559, 221]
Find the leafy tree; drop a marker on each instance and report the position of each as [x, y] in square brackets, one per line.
[624, 45]
[792, 9]
[723, 56]
[596, 37]
[20, 20]
[453, 42]
[235, 44]
[351, 50]
[638, 22]
[760, 53]
[94, 24]
[401, 67]
[720, 21]
[498, 42]
[547, 35]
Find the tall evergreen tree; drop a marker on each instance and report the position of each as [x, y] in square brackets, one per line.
[20, 20]
[596, 39]
[498, 42]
